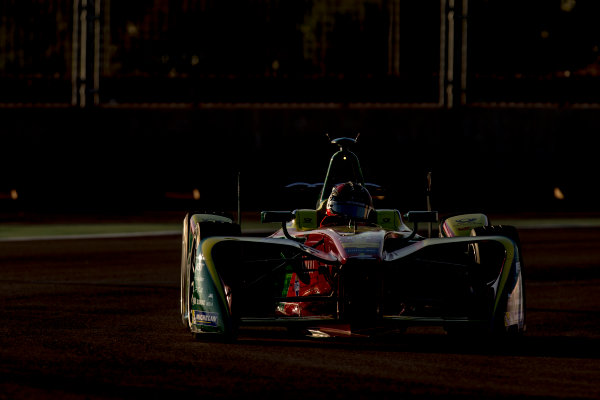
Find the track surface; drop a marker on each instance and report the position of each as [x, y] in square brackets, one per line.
[100, 319]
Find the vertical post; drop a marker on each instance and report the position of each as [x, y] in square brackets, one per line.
[92, 55]
[429, 199]
[394, 38]
[239, 200]
[75, 54]
[456, 53]
[463, 60]
[85, 65]
[96, 59]
[443, 54]
[450, 55]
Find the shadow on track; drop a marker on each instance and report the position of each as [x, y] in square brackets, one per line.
[433, 343]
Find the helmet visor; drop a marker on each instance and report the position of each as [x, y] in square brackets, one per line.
[350, 209]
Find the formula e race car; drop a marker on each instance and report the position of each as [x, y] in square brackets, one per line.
[346, 268]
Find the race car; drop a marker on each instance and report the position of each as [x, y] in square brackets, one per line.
[346, 268]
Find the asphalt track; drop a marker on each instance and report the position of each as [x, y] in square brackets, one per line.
[99, 318]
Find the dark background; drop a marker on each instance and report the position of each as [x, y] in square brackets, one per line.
[498, 99]
[183, 95]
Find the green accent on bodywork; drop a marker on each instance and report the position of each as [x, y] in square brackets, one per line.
[388, 219]
[305, 220]
[286, 281]
[284, 274]
[207, 246]
[209, 282]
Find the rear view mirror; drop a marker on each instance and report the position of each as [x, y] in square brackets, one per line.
[276, 216]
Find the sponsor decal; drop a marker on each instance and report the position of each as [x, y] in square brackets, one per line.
[465, 220]
[362, 251]
[356, 244]
[205, 318]
[366, 244]
[202, 301]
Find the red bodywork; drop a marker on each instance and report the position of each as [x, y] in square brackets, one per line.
[362, 242]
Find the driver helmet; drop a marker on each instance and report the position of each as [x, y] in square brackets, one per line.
[351, 200]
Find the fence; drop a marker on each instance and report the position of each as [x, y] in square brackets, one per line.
[438, 52]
